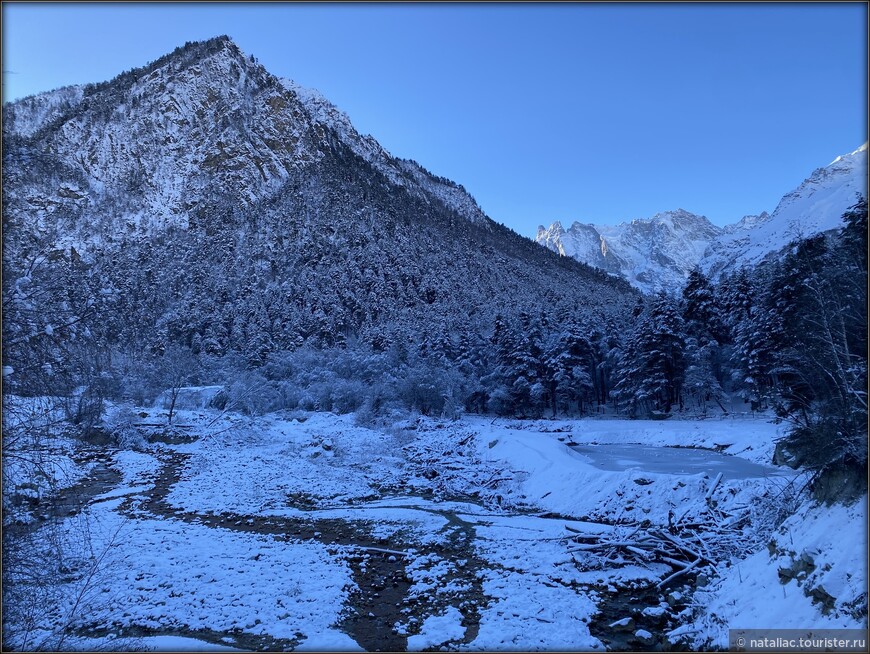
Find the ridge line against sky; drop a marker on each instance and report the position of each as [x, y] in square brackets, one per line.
[573, 112]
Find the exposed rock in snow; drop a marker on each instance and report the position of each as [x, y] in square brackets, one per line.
[653, 254]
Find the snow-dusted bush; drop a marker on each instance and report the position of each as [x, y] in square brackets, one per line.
[253, 394]
[84, 409]
[769, 510]
[357, 379]
[500, 402]
[386, 416]
[121, 424]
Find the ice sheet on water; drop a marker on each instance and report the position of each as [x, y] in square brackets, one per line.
[674, 461]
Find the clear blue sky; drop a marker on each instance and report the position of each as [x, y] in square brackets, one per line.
[597, 113]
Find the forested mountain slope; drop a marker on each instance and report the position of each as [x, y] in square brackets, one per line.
[200, 202]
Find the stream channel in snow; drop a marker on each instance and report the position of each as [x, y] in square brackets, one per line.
[286, 534]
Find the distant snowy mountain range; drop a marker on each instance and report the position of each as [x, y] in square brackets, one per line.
[657, 253]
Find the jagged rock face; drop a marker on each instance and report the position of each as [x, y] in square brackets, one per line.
[658, 253]
[654, 254]
[201, 180]
[585, 239]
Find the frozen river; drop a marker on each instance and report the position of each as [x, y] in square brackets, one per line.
[673, 461]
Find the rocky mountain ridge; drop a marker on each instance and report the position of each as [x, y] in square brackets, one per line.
[223, 123]
[657, 253]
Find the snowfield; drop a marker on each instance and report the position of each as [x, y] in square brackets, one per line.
[310, 532]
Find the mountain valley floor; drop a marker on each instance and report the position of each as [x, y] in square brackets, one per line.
[307, 531]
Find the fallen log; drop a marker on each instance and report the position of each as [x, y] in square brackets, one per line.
[675, 562]
[645, 554]
[680, 545]
[678, 573]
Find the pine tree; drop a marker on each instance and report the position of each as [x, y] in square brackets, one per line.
[755, 355]
[701, 314]
[700, 381]
[571, 365]
[652, 365]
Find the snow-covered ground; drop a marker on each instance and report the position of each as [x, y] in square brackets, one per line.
[810, 576]
[310, 532]
[550, 474]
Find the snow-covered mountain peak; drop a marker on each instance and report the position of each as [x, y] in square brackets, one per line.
[657, 253]
[203, 121]
[851, 156]
[747, 222]
[555, 228]
[653, 253]
[680, 219]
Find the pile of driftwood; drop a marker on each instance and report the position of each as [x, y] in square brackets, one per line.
[683, 554]
[449, 462]
[685, 545]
